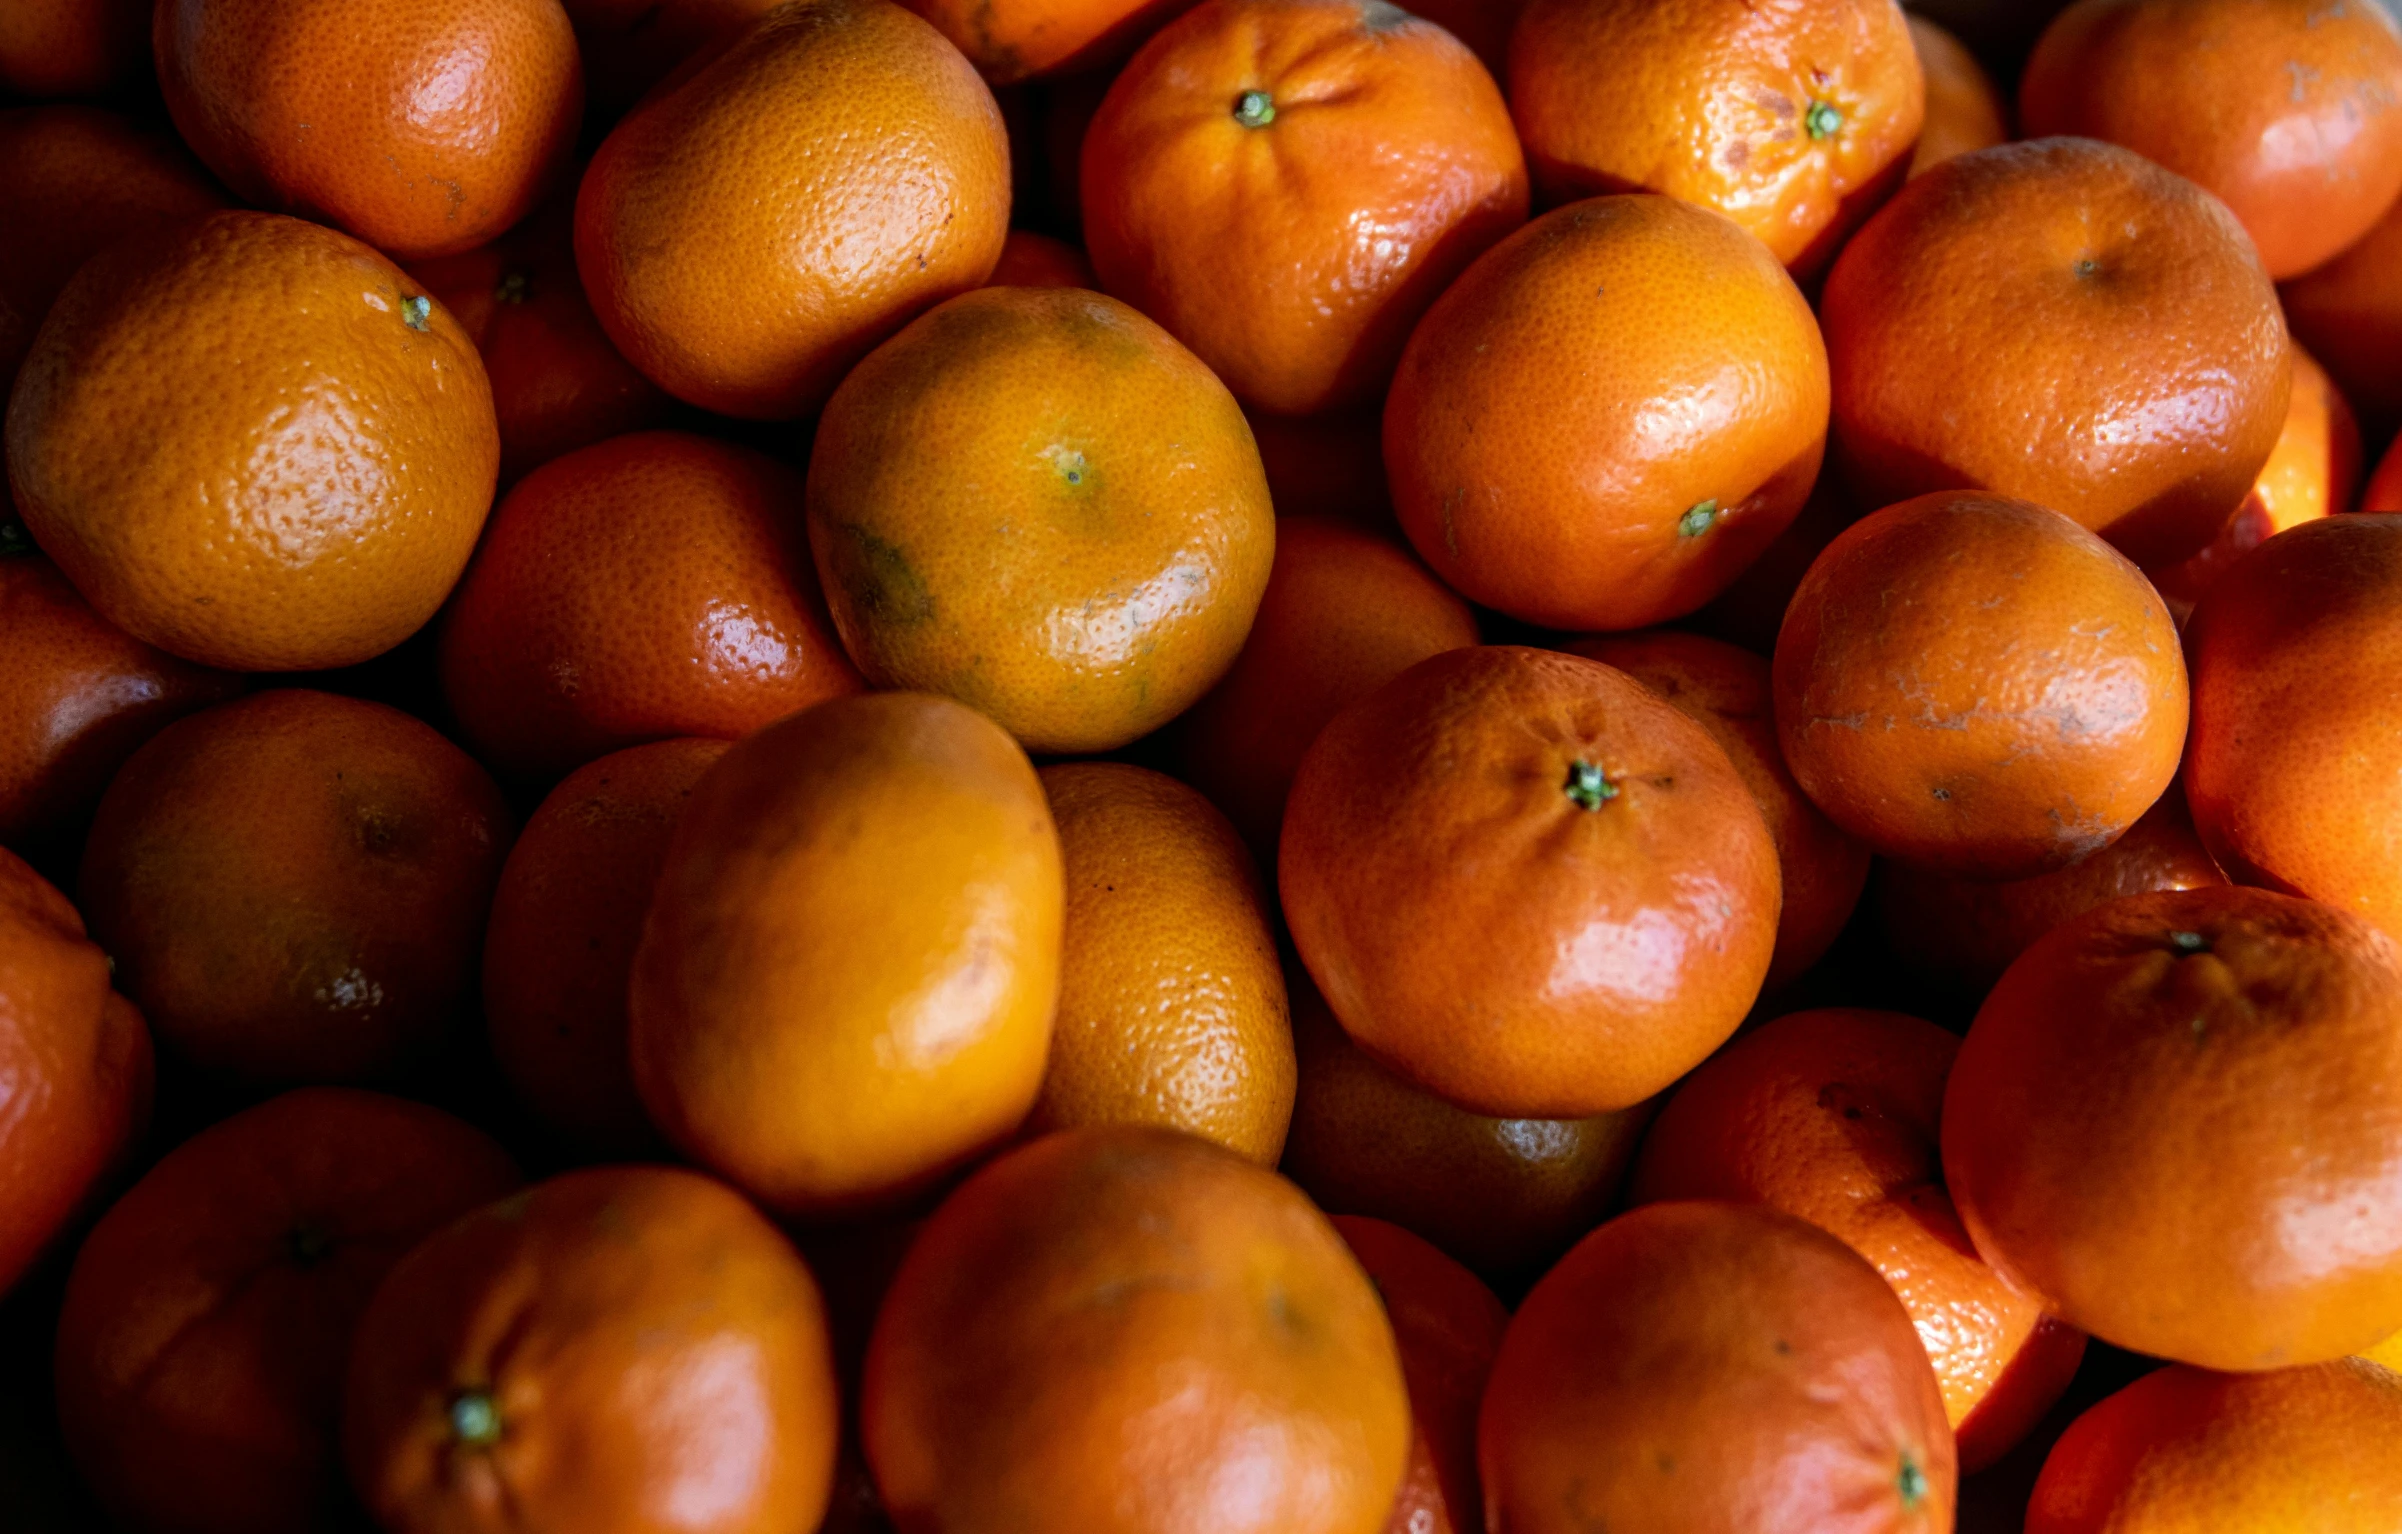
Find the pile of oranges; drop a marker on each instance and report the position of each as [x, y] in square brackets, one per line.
[1201, 767]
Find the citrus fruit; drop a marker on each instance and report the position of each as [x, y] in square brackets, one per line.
[2349, 313]
[1965, 111]
[1752, 607]
[2385, 486]
[1013, 40]
[1038, 261]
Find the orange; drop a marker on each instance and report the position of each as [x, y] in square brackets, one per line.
[2063, 322]
[1794, 117]
[1035, 501]
[1013, 40]
[2349, 313]
[1529, 464]
[2184, 1451]
[628, 46]
[1979, 686]
[1831, 1116]
[1752, 607]
[2292, 770]
[1130, 1331]
[1286, 185]
[757, 225]
[1328, 465]
[1038, 261]
[1703, 1367]
[1345, 612]
[1528, 883]
[76, 1062]
[1171, 1004]
[557, 383]
[1503, 1196]
[293, 885]
[565, 918]
[73, 47]
[2290, 111]
[1964, 932]
[1484, 25]
[77, 696]
[845, 987]
[200, 1348]
[421, 126]
[2385, 487]
[1965, 111]
[157, 452]
[615, 1351]
[2169, 1116]
[2388, 1352]
[1726, 691]
[644, 587]
[1447, 1325]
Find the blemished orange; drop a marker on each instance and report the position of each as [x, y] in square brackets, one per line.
[1528, 883]
[1345, 612]
[1286, 185]
[2169, 1115]
[2291, 774]
[845, 987]
[1013, 40]
[1726, 691]
[1965, 110]
[1962, 933]
[1979, 686]
[1528, 463]
[201, 1343]
[250, 532]
[2186, 1451]
[2313, 472]
[76, 1061]
[1697, 1367]
[2063, 322]
[1036, 501]
[1447, 1325]
[77, 697]
[754, 228]
[615, 1351]
[628, 46]
[294, 885]
[52, 48]
[1171, 1001]
[421, 126]
[1503, 1196]
[560, 945]
[2289, 111]
[1792, 117]
[1132, 1331]
[1831, 1116]
[644, 587]
[557, 383]
[1031, 260]
[2349, 314]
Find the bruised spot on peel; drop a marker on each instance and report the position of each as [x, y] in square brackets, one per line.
[880, 578]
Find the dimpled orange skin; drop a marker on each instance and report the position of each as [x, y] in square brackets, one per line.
[2065, 322]
[2185, 1451]
[1964, 932]
[73, 47]
[294, 885]
[1965, 110]
[1345, 612]
[194, 503]
[628, 46]
[421, 126]
[1830, 1116]
[654, 1352]
[1088, 559]
[1038, 261]
[1494, 939]
[1447, 1325]
[76, 698]
[1705, 1367]
[647, 586]
[745, 236]
[1171, 1003]
[1295, 255]
[1608, 416]
[201, 1342]
[2349, 313]
[2169, 1115]
[1726, 691]
[2292, 771]
[846, 983]
[565, 918]
[1129, 1331]
[75, 1067]
[2289, 111]
[1979, 686]
[1013, 40]
[1792, 117]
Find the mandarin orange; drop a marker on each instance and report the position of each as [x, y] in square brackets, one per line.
[1965, 111]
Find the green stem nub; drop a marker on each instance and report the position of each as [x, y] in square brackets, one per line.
[1911, 1483]
[1255, 109]
[515, 287]
[474, 1419]
[1697, 521]
[1586, 788]
[2189, 942]
[1823, 118]
[416, 312]
[14, 539]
